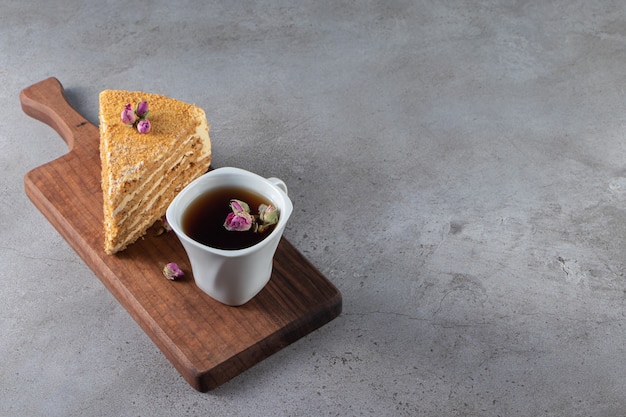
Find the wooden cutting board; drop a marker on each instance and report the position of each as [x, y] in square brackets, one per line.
[207, 342]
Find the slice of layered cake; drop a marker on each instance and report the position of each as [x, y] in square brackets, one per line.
[148, 155]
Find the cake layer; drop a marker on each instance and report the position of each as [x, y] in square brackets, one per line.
[137, 217]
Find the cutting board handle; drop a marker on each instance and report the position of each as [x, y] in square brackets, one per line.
[46, 102]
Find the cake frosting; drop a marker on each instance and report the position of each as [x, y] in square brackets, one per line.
[143, 172]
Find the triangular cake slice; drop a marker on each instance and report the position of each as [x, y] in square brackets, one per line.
[143, 172]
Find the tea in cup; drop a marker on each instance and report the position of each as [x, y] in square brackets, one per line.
[230, 222]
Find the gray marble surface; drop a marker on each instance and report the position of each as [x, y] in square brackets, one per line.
[457, 170]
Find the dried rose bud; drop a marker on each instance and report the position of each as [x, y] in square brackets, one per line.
[142, 109]
[238, 222]
[143, 126]
[172, 271]
[238, 206]
[268, 214]
[128, 115]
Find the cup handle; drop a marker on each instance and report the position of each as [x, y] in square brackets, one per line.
[279, 183]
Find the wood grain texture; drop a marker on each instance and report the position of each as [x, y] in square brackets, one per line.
[208, 342]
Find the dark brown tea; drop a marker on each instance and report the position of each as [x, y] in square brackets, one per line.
[203, 220]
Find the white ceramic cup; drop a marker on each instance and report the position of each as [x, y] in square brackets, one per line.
[232, 277]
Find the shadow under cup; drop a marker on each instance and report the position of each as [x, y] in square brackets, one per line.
[232, 277]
